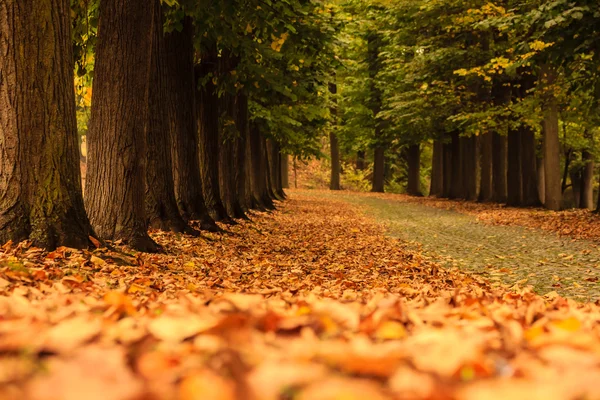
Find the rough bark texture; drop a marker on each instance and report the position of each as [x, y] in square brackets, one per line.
[285, 171]
[413, 156]
[40, 181]
[587, 181]
[514, 185]
[470, 167]
[499, 168]
[541, 175]
[551, 144]
[181, 93]
[334, 181]
[457, 179]
[378, 170]
[208, 128]
[485, 185]
[241, 122]
[116, 144]
[273, 148]
[529, 168]
[266, 147]
[161, 206]
[227, 160]
[437, 169]
[258, 168]
[447, 161]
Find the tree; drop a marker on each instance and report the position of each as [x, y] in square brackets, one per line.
[115, 183]
[40, 181]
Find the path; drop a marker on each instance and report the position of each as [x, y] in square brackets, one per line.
[508, 254]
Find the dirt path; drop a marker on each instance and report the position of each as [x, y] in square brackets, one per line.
[507, 254]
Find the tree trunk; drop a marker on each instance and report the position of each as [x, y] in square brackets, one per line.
[587, 181]
[360, 160]
[379, 170]
[285, 171]
[541, 175]
[259, 169]
[240, 149]
[227, 152]
[575, 176]
[499, 168]
[335, 162]
[40, 180]
[161, 206]
[513, 174]
[414, 170]
[181, 93]
[470, 167]
[485, 186]
[274, 163]
[457, 180]
[116, 138]
[447, 161]
[529, 175]
[208, 127]
[551, 143]
[437, 169]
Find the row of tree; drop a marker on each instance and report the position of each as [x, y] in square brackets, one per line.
[194, 108]
[502, 96]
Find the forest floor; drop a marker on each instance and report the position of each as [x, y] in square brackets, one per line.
[313, 301]
[548, 250]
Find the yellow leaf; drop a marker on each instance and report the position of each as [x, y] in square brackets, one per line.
[570, 324]
[390, 330]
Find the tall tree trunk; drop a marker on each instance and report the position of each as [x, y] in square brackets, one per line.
[274, 163]
[378, 170]
[259, 169]
[487, 149]
[277, 182]
[529, 168]
[360, 160]
[448, 163]
[266, 150]
[513, 174]
[116, 138]
[499, 168]
[587, 181]
[456, 185]
[437, 169]
[161, 207]
[575, 176]
[227, 152]
[541, 175]
[470, 167]
[40, 180]
[414, 170]
[551, 142]
[240, 149]
[208, 127]
[334, 182]
[181, 93]
[285, 171]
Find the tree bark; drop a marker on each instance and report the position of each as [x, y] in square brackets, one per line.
[240, 149]
[267, 149]
[161, 206]
[447, 161]
[437, 169]
[485, 186]
[575, 176]
[360, 160]
[334, 182]
[541, 175]
[379, 170]
[40, 180]
[587, 181]
[470, 167]
[414, 170]
[285, 171]
[529, 179]
[181, 97]
[116, 137]
[457, 180]
[499, 168]
[259, 169]
[551, 142]
[208, 128]
[514, 185]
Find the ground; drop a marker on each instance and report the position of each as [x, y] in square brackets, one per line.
[313, 301]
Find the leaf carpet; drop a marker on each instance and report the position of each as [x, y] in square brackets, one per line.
[309, 302]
